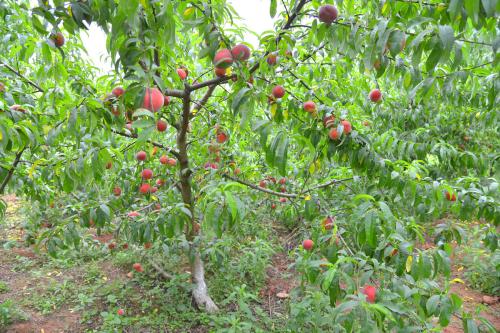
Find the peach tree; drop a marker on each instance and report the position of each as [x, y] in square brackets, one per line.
[360, 122]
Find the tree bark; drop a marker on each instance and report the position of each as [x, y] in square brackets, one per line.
[4, 183]
[200, 291]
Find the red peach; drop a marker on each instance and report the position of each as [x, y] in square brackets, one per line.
[240, 52]
[137, 267]
[144, 188]
[309, 106]
[307, 244]
[370, 292]
[117, 191]
[223, 58]
[147, 174]
[278, 91]
[153, 99]
[182, 73]
[347, 126]
[163, 159]
[375, 95]
[220, 72]
[333, 134]
[141, 156]
[161, 125]
[118, 91]
[272, 59]
[327, 14]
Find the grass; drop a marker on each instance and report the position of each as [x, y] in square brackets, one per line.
[94, 284]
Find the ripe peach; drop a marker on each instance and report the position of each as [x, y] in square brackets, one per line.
[58, 39]
[154, 189]
[221, 137]
[160, 182]
[333, 134]
[278, 91]
[182, 73]
[327, 14]
[240, 52]
[329, 120]
[117, 191]
[118, 91]
[171, 161]
[120, 312]
[282, 200]
[153, 99]
[309, 106]
[133, 214]
[163, 159]
[307, 244]
[111, 246]
[137, 267]
[375, 95]
[327, 223]
[220, 72]
[370, 292]
[161, 125]
[263, 184]
[147, 174]
[273, 206]
[223, 59]
[450, 197]
[347, 126]
[282, 181]
[144, 188]
[272, 59]
[141, 156]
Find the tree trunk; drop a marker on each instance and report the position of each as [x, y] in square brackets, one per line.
[200, 291]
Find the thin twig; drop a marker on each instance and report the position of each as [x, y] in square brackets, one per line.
[30, 82]
[11, 170]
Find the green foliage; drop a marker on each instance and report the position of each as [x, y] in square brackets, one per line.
[482, 265]
[427, 150]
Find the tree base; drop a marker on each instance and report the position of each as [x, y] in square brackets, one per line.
[200, 291]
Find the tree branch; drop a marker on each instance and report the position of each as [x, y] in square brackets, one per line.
[31, 83]
[156, 144]
[203, 101]
[286, 195]
[174, 93]
[224, 79]
[11, 170]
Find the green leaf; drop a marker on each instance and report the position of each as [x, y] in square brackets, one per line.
[272, 8]
[489, 7]
[281, 155]
[433, 58]
[143, 112]
[472, 9]
[432, 304]
[447, 37]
